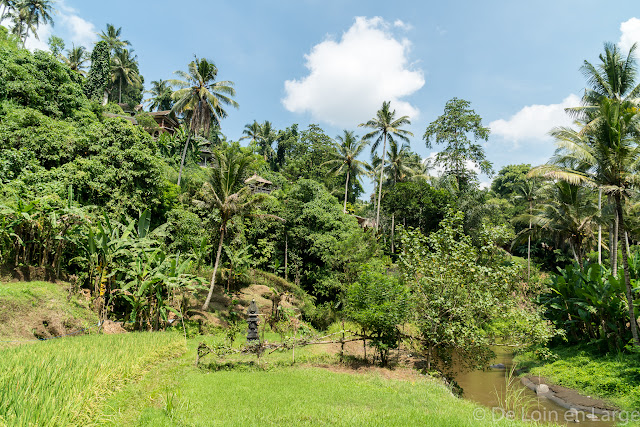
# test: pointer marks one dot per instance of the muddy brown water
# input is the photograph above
(488, 388)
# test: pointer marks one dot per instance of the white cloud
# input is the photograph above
(534, 122)
(630, 34)
(349, 79)
(40, 43)
(81, 32)
(68, 25)
(401, 24)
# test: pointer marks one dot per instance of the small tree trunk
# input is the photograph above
(184, 154)
(120, 91)
(286, 256)
(529, 245)
(105, 98)
(215, 269)
(627, 279)
(364, 344)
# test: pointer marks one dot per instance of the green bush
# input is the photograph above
(379, 303)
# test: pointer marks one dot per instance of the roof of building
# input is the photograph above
(126, 117)
(166, 115)
(257, 179)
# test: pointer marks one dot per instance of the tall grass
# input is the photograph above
(513, 398)
(62, 382)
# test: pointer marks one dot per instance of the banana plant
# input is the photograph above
(589, 303)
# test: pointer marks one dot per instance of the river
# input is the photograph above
(485, 387)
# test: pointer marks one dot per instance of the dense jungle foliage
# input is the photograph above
(145, 220)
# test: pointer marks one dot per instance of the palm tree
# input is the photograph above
(34, 13)
(604, 152)
(124, 68)
(76, 58)
(262, 137)
(226, 191)
(402, 166)
(112, 37)
(570, 215)
(160, 96)
(251, 131)
(21, 23)
(7, 8)
(347, 148)
(265, 141)
(201, 98)
(528, 191)
(385, 126)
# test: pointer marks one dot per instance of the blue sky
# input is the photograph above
(334, 62)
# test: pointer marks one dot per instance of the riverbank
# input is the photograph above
(587, 378)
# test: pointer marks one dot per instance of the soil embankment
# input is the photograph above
(568, 398)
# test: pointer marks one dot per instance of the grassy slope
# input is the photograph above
(614, 377)
(136, 379)
(31, 310)
(177, 393)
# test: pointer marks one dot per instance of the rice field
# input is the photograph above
(64, 381)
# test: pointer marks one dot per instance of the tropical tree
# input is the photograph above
(528, 191)
(124, 68)
(21, 24)
(251, 131)
(570, 215)
(604, 152)
(262, 138)
(347, 148)
(402, 164)
(56, 46)
(265, 141)
(96, 85)
(76, 58)
(385, 126)
(225, 190)
(29, 14)
(112, 36)
(201, 98)
(7, 7)
(160, 92)
(401, 167)
(452, 128)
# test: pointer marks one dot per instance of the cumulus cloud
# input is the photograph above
(40, 43)
(630, 34)
(349, 79)
(81, 32)
(533, 122)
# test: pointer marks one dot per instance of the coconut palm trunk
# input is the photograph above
(184, 155)
(529, 244)
(614, 249)
(627, 279)
(346, 188)
(384, 151)
(393, 229)
(600, 227)
(215, 270)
